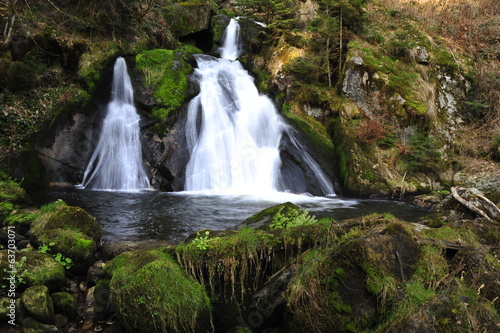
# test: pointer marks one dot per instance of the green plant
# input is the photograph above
(292, 219)
(201, 241)
(422, 153)
(65, 262)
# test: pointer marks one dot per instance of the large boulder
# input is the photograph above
(152, 293)
(61, 216)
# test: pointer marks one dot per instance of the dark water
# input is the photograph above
(139, 216)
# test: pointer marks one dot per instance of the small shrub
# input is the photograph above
(421, 154)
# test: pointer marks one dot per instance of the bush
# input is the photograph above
(421, 154)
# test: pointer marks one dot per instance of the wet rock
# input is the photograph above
(38, 303)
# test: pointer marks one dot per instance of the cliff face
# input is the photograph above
(401, 107)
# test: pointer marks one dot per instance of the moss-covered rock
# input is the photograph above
(151, 293)
(348, 281)
(36, 300)
(188, 17)
(64, 303)
(31, 325)
(6, 308)
(263, 219)
(34, 268)
(61, 216)
(71, 244)
(165, 73)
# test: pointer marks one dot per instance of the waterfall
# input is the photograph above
(116, 163)
(233, 132)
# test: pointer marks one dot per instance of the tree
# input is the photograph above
(278, 15)
(10, 17)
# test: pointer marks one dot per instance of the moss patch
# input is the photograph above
(165, 72)
(151, 293)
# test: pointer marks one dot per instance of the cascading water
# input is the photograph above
(234, 133)
(116, 163)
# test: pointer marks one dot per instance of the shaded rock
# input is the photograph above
(38, 303)
(64, 303)
(31, 325)
(152, 293)
(96, 272)
(102, 305)
(427, 200)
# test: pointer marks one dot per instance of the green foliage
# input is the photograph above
(423, 154)
(62, 260)
(166, 72)
(52, 207)
(201, 241)
(279, 15)
(292, 219)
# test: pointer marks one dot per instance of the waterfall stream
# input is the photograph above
(234, 133)
(116, 163)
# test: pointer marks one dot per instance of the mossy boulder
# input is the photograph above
(77, 246)
(165, 73)
(264, 218)
(152, 293)
(61, 216)
(348, 281)
(34, 268)
(64, 303)
(10, 191)
(36, 300)
(188, 17)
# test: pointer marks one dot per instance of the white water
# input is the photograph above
(116, 163)
(233, 132)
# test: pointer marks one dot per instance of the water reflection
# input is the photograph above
(135, 216)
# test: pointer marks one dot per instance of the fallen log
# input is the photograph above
(476, 202)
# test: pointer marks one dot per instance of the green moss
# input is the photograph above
(64, 303)
(313, 130)
(70, 243)
(262, 219)
(151, 293)
(166, 72)
(61, 216)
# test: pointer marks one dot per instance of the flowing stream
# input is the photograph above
(116, 163)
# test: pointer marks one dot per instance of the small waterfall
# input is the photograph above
(233, 132)
(116, 163)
